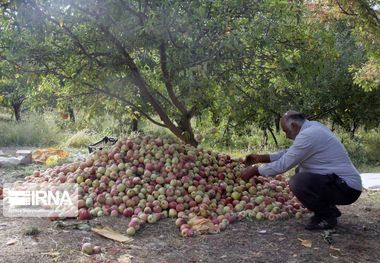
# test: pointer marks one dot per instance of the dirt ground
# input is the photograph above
(356, 239)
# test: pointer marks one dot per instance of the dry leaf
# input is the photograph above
(53, 254)
(262, 231)
(334, 248)
(126, 258)
(111, 234)
(334, 256)
(305, 242)
(11, 242)
(204, 226)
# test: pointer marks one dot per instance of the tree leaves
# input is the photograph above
(233, 62)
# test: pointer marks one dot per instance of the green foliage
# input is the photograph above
(236, 64)
(153, 130)
(80, 139)
(363, 149)
(47, 130)
(12, 174)
(367, 76)
(374, 195)
(364, 16)
(55, 160)
(33, 131)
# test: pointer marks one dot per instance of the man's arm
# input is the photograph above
(277, 155)
(264, 158)
(256, 158)
(301, 149)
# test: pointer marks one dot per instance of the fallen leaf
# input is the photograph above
(53, 254)
(114, 250)
(334, 256)
(111, 234)
(203, 226)
(11, 242)
(262, 231)
(68, 225)
(334, 248)
(305, 242)
(126, 258)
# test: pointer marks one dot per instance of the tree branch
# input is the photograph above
(125, 101)
(343, 10)
(141, 16)
(140, 83)
(69, 32)
(168, 81)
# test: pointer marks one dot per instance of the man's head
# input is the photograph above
(291, 123)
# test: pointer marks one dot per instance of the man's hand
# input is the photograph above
(252, 159)
(256, 158)
(249, 172)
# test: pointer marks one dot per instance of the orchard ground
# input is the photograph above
(356, 238)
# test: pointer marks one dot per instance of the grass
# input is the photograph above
(374, 195)
(12, 174)
(80, 139)
(33, 131)
(50, 130)
(364, 149)
(369, 169)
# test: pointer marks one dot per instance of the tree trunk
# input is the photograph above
(134, 125)
(353, 130)
(226, 134)
(17, 110)
(183, 130)
(264, 142)
(187, 134)
(277, 122)
(72, 115)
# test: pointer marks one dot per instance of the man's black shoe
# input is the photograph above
(326, 223)
(335, 212)
(315, 219)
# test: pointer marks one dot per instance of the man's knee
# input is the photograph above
(299, 181)
(294, 183)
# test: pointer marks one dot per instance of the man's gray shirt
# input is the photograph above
(316, 150)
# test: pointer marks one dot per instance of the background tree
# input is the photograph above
(235, 62)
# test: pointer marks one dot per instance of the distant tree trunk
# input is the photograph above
(17, 109)
(333, 126)
(72, 115)
(277, 122)
(226, 134)
(134, 125)
(264, 142)
(353, 130)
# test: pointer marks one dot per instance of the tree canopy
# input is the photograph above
(236, 61)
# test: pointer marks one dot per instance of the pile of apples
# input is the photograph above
(148, 179)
